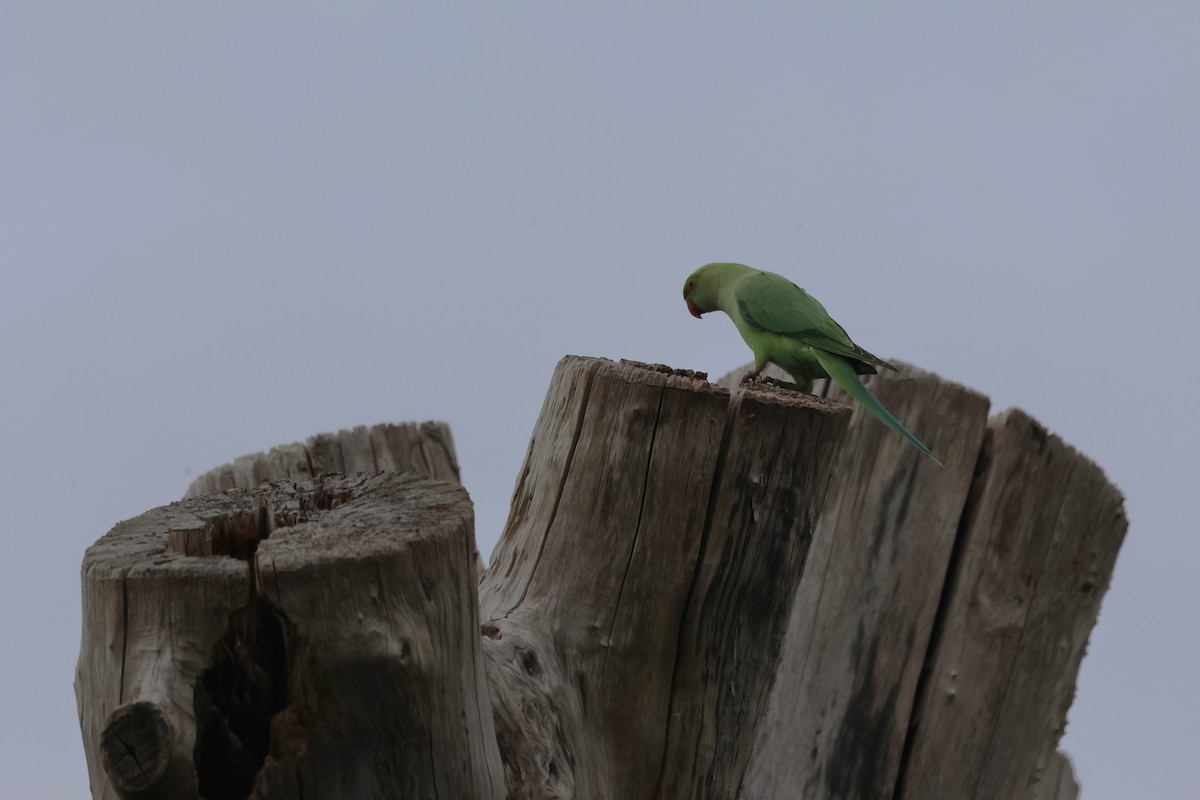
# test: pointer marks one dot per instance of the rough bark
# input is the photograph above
(318, 637)
(699, 593)
(1036, 550)
(865, 608)
(967, 594)
(635, 606)
(425, 448)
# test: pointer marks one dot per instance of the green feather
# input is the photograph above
(785, 325)
(841, 371)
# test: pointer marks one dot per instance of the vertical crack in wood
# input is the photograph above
(246, 681)
(562, 485)
(308, 458)
(713, 495)
(478, 668)
(425, 457)
(374, 454)
(637, 529)
(1033, 587)
(124, 635)
(949, 588)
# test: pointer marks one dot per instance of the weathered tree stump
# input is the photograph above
(635, 606)
(1035, 553)
(425, 448)
(864, 613)
(933, 647)
(699, 593)
(314, 639)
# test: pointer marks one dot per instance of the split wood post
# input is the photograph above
(966, 595)
(426, 448)
(1036, 550)
(639, 636)
(635, 606)
(865, 609)
(315, 639)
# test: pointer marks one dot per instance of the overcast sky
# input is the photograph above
(227, 227)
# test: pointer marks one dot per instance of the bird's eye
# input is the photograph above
(691, 284)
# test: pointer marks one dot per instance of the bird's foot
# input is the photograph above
(752, 376)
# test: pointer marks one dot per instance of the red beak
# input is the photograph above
(695, 312)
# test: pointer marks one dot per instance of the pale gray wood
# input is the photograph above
(426, 448)
(635, 605)
(1058, 781)
(771, 485)
(860, 626)
(1037, 546)
(639, 636)
(845, 732)
(348, 641)
(150, 620)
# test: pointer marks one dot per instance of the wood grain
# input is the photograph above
(626, 616)
(316, 638)
(700, 592)
(426, 448)
(1039, 539)
(865, 609)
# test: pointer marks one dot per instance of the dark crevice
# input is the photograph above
(124, 636)
(308, 458)
(949, 586)
(374, 455)
(246, 682)
(1040, 435)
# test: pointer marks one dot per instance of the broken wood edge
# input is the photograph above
(174, 561)
(426, 448)
(532, 671)
(1015, 443)
(882, 544)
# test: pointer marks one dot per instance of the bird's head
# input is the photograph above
(701, 288)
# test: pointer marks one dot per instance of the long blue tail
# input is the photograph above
(843, 372)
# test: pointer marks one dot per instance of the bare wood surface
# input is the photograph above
(1036, 550)
(426, 448)
(639, 639)
(861, 623)
(1058, 781)
(1038, 547)
(635, 606)
(137, 745)
(337, 657)
(150, 620)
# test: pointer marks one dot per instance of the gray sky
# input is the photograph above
(223, 229)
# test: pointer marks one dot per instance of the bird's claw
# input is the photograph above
(752, 376)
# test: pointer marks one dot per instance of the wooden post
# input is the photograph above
(1037, 545)
(864, 613)
(311, 639)
(635, 606)
(699, 593)
(934, 645)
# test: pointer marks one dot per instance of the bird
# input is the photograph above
(786, 326)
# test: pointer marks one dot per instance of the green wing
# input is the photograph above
(770, 302)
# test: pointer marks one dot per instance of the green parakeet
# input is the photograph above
(786, 326)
